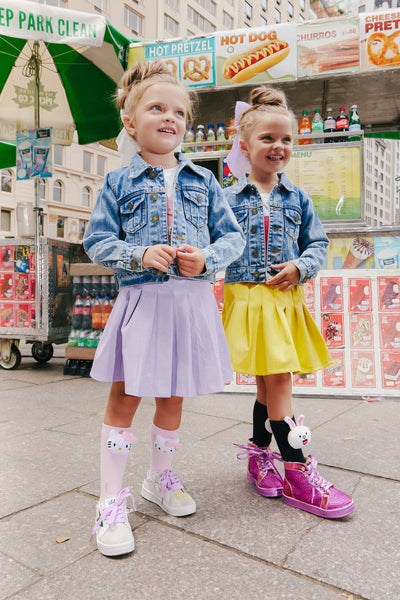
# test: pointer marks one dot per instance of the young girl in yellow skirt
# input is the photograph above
(270, 331)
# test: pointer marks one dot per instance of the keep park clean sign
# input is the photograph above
(27, 20)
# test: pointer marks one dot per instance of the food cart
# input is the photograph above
(21, 269)
(333, 62)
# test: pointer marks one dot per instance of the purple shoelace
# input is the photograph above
(314, 477)
(265, 456)
(115, 512)
(170, 481)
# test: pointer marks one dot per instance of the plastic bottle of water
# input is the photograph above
(189, 137)
(200, 137)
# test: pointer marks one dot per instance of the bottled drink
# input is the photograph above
(317, 126)
(96, 286)
(354, 123)
(342, 124)
(329, 126)
(107, 308)
(82, 338)
(77, 313)
(77, 287)
(200, 137)
(97, 310)
(92, 339)
(73, 338)
(221, 135)
(211, 137)
(105, 289)
(304, 128)
(231, 131)
(189, 137)
(113, 287)
(87, 285)
(87, 313)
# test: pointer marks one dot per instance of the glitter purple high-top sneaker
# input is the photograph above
(305, 488)
(261, 470)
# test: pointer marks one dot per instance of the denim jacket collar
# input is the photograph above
(243, 183)
(138, 166)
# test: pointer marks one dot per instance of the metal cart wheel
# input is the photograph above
(42, 352)
(13, 360)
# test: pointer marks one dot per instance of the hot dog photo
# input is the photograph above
(256, 55)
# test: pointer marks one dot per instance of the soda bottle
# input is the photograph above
(354, 123)
(317, 125)
(304, 127)
(189, 137)
(77, 287)
(342, 124)
(87, 313)
(97, 310)
(82, 338)
(211, 137)
(231, 130)
(91, 339)
(87, 285)
(107, 307)
(221, 135)
(200, 137)
(105, 286)
(77, 313)
(96, 286)
(73, 338)
(113, 288)
(329, 126)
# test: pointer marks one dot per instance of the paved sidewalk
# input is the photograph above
(238, 546)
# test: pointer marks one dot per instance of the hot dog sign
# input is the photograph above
(256, 55)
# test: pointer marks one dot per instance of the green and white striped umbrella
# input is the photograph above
(59, 69)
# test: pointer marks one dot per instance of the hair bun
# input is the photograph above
(265, 95)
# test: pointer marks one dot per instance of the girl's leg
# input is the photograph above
(261, 437)
(162, 486)
(279, 403)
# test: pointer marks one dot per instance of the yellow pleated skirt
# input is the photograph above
(270, 331)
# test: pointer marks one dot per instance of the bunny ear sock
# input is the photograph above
(301, 419)
(290, 422)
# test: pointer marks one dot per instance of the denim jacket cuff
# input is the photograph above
(135, 260)
(305, 273)
(211, 263)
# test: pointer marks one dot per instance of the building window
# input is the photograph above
(248, 10)
(86, 195)
(227, 20)
(199, 21)
(302, 4)
(263, 21)
(6, 181)
(277, 16)
(100, 5)
(42, 189)
(290, 9)
(278, 1)
(5, 223)
(173, 4)
(264, 4)
(208, 5)
(101, 166)
(60, 227)
(57, 191)
(57, 154)
(82, 227)
(58, 3)
(133, 20)
(170, 25)
(87, 162)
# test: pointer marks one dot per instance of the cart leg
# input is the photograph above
(10, 356)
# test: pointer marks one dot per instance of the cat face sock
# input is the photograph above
(116, 443)
(164, 444)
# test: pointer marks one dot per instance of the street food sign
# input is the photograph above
(31, 21)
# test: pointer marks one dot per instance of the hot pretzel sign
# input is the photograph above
(380, 40)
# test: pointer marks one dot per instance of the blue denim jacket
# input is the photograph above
(295, 232)
(131, 214)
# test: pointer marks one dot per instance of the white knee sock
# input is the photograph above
(164, 444)
(116, 443)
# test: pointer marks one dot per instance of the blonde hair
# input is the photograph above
(265, 99)
(143, 75)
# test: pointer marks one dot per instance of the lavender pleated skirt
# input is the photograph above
(165, 339)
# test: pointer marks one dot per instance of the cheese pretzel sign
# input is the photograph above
(196, 68)
(384, 50)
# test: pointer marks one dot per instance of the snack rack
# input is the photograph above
(23, 271)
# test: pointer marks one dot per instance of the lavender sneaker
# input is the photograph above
(306, 489)
(113, 532)
(261, 469)
(166, 489)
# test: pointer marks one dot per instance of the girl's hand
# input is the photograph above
(159, 256)
(288, 277)
(191, 260)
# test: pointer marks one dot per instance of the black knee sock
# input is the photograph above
(261, 437)
(280, 429)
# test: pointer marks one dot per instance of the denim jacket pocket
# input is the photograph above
(292, 222)
(242, 217)
(133, 213)
(195, 205)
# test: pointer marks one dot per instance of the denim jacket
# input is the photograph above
(131, 214)
(295, 232)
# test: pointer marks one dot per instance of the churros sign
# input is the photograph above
(380, 40)
(256, 55)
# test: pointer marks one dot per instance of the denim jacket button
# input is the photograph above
(154, 196)
(153, 174)
(254, 211)
(256, 275)
(199, 199)
(158, 273)
(134, 263)
(130, 205)
(255, 253)
(297, 218)
(155, 218)
(253, 229)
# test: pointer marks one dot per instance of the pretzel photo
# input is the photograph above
(171, 64)
(196, 68)
(384, 50)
